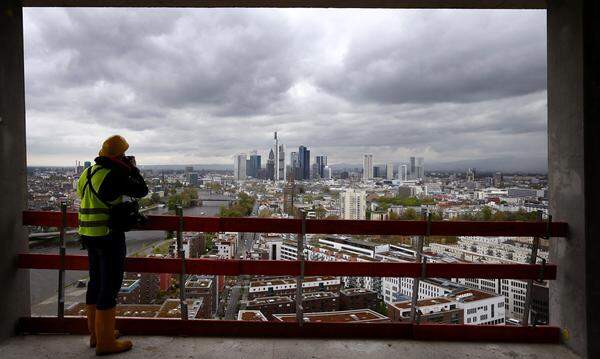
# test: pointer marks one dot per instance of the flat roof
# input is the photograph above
(318, 295)
(356, 291)
(346, 316)
(252, 315)
(283, 281)
(422, 303)
(270, 300)
(475, 295)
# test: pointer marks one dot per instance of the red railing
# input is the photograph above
(263, 267)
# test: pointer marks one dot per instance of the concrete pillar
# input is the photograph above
(574, 169)
(14, 300)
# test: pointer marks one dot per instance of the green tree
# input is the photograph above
(486, 213)
(155, 198)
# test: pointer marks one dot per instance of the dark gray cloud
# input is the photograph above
(197, 86)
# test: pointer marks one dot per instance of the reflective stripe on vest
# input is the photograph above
(93, 213)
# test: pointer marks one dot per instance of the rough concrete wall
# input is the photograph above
(566, 169)
(14, 300)
(591, 113)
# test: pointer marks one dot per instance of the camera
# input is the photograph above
(130, 160)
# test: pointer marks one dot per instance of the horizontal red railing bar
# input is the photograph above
(234, 267)
(328, 226)
(229, 328)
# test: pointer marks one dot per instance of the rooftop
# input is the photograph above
(472, 295)
(355, 291)
(422, 303)
(291, 281)
(345, 316)
(252, 315)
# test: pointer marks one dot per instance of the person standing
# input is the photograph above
(100, 187)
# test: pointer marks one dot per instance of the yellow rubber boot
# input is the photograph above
(91, 319)
(105, 334)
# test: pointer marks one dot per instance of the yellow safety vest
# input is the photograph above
(93, 212)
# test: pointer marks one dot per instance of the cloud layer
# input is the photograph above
(198, 86)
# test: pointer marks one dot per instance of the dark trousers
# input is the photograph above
(106, 259)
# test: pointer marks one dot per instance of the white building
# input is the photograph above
(478, 307)
(403, 173)
(353, 203)
(226, 248)
(239, 166)
(396, 288)
(481, 307)
(327, 173)
(367, 167)
(389, 171)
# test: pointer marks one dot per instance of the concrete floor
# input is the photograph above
(147, 347)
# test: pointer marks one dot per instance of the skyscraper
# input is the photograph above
(271, 166)
(417, 168)
(321, 164)
(304, 159)
(295, 165)
(353, 204)
(276, 159)
(254, 165)
(403, 175)
(420, 168)
(367, 167)
(281, 167)
(239, 166)
(389, 171)
(327, 172)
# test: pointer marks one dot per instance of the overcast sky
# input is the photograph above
(198, 86)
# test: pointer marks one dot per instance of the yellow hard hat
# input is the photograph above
(114, 146)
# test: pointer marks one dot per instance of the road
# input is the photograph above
(44, 282)
(232, 304)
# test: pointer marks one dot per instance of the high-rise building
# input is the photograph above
(271, 166)
(276, 159)
(314, 172)
(321, 164)
(417, 168)
(377, 172)
(289, 192)
(86, 164)
(304, 159)
(327, 172)
(281, 167)
(239, 166)
(295, 165)
(403, 173)
(470, 175)
(253, 165)
(413, 167)
(294, 159)
(367, 167)
(353, 204)
(420, 168)
(389, 171)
